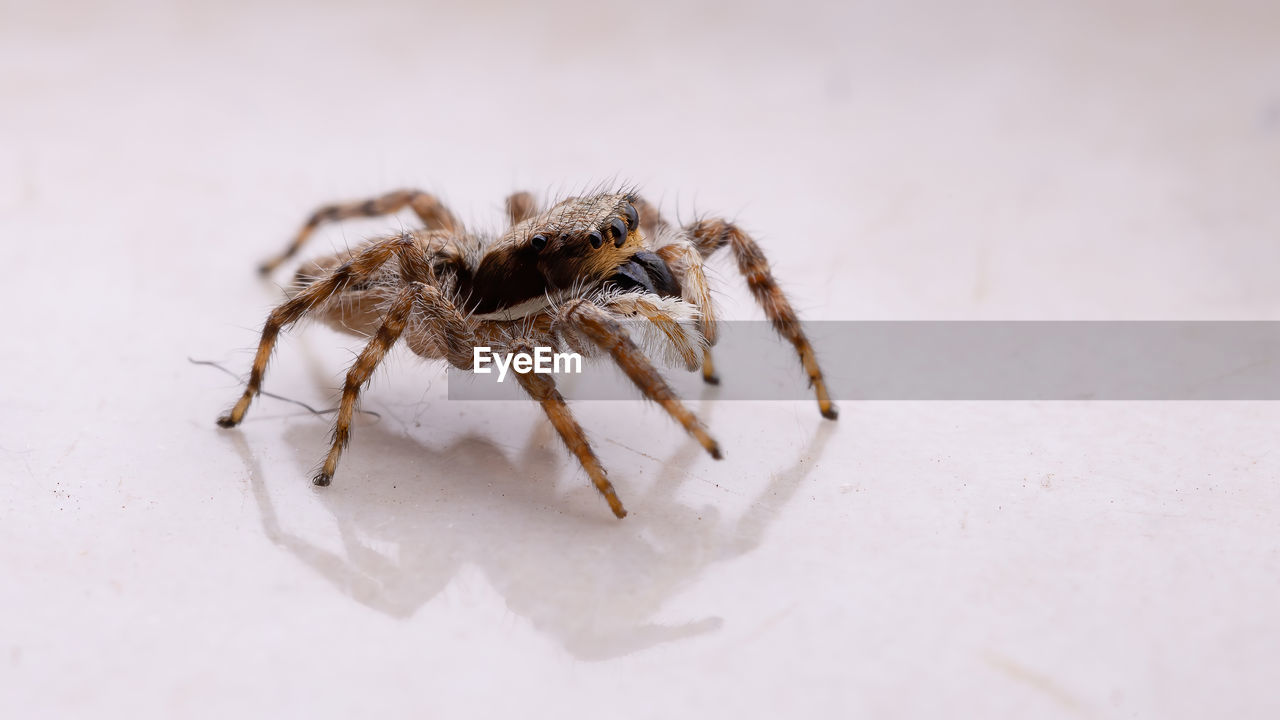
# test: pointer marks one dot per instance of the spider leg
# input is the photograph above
(433, 315)
(711, 235)
(428, 208)
(608, 334)
(393, 325)
(686, 264)
(358, 268)
(542, 387)
(520, 207)
(664, 315)
(709, 375)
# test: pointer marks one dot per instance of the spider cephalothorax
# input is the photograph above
(567, 277)
(578, 243)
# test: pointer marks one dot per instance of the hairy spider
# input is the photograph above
(569, 276)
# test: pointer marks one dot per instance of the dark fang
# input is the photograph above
(619, 232)
(538, 242)
(596, 238)
(645, 272)
(633, 218)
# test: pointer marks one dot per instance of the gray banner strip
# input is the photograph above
(928, 360)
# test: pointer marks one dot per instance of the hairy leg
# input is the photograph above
(393, 325)
(439, 329)
(428, 208)
(711, 235)
(607, 333)
(351, 272)
(520, 207)
(709, 375)
(543, 389)
(670, 317)
(687, 265)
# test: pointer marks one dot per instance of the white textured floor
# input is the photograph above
(912, 160)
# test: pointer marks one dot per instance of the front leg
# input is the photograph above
(709, 375)
(604, 331)
(674, 320)
(711, 235)
(687, 265)
(542, 388)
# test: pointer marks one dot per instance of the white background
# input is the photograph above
(914, 160)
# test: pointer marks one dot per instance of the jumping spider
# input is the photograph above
(571, 275)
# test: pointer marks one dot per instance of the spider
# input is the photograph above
(575, 275)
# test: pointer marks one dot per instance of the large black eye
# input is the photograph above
(538, 242)
(596, 238)
(619, 230)
(633, 218)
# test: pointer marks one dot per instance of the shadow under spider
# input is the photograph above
(577, 574)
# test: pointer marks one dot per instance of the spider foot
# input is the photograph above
(322, 479)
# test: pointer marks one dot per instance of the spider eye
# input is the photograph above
(619, 230)
(596, 238)
(633, 218)
(538, 242)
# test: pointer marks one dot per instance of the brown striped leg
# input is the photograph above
(358, 268)
(607, 333)
(709, 375)
(520, 207)
(442, 323)
(429, 209)
(711, 235)
(393, 324)
(543, 389)
(682, 338)
(437, 319)
(686, 264)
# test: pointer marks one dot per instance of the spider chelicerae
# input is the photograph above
(577, 275)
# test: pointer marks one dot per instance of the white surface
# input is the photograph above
(905, 160)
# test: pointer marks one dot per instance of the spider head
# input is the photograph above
(581, 242)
